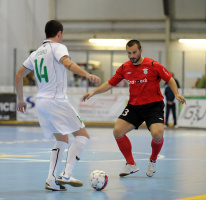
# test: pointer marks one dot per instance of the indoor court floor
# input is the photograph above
(181, 166)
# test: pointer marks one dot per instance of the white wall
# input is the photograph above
(195, 60)
(109, 9)
(22, 26)
(190, 9)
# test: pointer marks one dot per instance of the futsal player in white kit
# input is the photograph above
(56, 115)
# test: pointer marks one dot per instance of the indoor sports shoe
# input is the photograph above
(129, 169)
(151, 169)
(55, 186)
(63, 179)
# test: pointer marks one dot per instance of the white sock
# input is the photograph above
(56, 159)
(74, 153)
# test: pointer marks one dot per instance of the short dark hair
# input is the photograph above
(133, 42)
(52, 28)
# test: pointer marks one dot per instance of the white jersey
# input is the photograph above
(50, 74)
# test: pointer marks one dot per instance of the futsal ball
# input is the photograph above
(98, 179)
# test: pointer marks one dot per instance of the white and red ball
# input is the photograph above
(98, 179)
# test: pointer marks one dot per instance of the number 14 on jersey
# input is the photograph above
(39, 73)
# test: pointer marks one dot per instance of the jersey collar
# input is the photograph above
(47, 41)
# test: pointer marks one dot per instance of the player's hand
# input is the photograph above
(93, 78)
(21, 106)
(87, 96)
(180, 98)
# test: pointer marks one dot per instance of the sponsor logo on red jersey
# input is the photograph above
(137, 81)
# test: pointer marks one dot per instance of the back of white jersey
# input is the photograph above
(49, 72)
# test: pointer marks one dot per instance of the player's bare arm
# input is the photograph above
(101, 89)
(174, 89)
(21, 104)
(78, 70)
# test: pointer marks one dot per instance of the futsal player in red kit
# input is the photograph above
(145, 103)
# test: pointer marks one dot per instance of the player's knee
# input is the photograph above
(86, 134)
(117, 132)
(61, 138)
(157, 135)
(82, 132)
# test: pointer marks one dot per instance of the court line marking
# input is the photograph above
(201, 197)
(17, 156)
(84, 161)
(20, 160)
(15, 159)
(27, 141)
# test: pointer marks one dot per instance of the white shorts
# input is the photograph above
(57, 116)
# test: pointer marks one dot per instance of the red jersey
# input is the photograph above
(143, 80)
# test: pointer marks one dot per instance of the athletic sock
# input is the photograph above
(125, 147)
(156, 148)
(56, 159)
(74, 153)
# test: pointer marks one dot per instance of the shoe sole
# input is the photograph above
(124, 174)
(49, 188)
(150, 176)
(74, 184)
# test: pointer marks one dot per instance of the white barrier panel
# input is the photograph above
(31, 113)
(7, 106)
(107, 108)
(193, 114)
(100, 108)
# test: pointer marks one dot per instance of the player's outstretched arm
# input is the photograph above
(174, 89)
(21, 104)
(101, 89)
(78, 70)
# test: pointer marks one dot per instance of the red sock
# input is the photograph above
(125, 147)
(156, 148)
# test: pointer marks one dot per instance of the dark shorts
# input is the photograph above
(150, 113)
